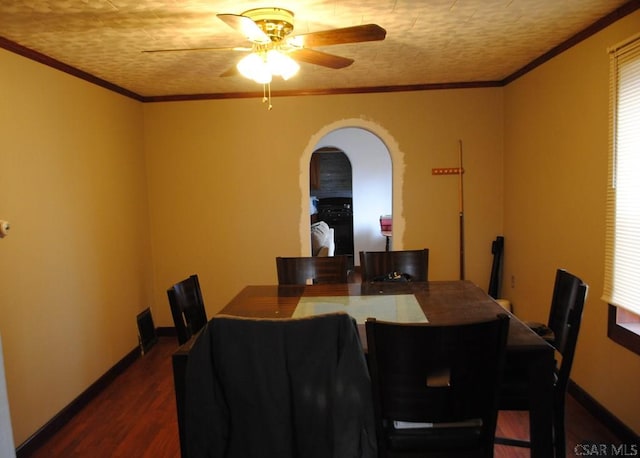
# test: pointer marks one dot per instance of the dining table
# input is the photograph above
(437, 302)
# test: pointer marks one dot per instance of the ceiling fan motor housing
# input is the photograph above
(276, 23)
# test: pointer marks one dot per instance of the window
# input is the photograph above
(622, 268)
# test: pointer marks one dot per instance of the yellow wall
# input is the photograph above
(75, 269)
(225, 193)
(556, 131)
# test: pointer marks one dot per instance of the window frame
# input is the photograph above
(624, 330)
(623, 325)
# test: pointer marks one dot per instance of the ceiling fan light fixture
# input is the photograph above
(254, 67)
(281, 64)
(262, 75)
(261, 66)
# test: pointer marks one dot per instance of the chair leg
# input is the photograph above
(559, 433)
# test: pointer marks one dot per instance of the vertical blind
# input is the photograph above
(622, 257)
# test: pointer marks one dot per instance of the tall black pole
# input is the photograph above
(461, 208)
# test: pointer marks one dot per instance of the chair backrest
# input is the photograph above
(497, 250)
(424, 373)
(279, 388)
(315, 269)
(187, 308)
(565, 316)
(376, 264)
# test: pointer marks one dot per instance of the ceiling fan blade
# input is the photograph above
(231, 71)
(236, 48)
(311, 56)
(245, 26)
(355, 34)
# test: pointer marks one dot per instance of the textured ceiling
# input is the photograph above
(427, 42)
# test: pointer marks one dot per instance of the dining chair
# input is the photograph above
(410, 265)
(561, 331)
(312, 269)
(259, 387)
(435, 387)
(187, 308)
(497, 250)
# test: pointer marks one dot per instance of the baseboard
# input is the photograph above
(62, 418)
(615, 425)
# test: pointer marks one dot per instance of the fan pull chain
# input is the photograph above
(265, 97)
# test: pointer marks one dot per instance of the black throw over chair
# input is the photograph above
(399, 265)
(435, 387)
(561, 331)
(187, 308)
(278, 388)
(314, 269)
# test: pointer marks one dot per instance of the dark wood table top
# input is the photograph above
(443, 302)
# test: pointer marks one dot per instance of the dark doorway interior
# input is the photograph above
(331, 187)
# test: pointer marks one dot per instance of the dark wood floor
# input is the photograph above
(135, 416)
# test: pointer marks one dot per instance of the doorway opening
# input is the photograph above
(331, 192)
(372, 183)
(370, 149)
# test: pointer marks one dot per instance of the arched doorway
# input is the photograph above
(381, 140)
(372, 184)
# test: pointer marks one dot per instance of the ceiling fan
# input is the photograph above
(269, 29)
